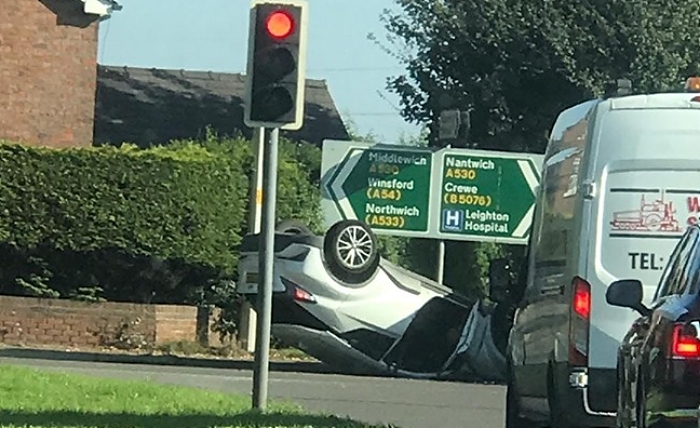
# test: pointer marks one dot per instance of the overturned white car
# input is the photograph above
(336, 299)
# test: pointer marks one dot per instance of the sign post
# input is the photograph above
(440, 277)
(436, 193)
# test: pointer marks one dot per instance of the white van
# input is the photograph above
(620, 183)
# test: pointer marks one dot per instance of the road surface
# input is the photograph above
(402, 402)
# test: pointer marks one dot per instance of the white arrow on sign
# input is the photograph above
(335, 186)
(531, 178)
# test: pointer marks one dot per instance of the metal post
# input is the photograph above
(248, 318)
(441, 262)
(266, 258)
(257, 199)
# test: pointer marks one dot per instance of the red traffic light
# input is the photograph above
(279, 24)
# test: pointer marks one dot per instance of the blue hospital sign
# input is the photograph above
(452, 219)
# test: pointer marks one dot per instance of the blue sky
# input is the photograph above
(212, 35)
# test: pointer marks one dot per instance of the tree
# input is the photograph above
(517, 63)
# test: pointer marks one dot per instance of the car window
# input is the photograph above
(694, 277)
(557, 202)
(684, 281)
(672, 279)
(554, 239)
(671, 266)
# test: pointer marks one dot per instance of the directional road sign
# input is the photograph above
(449, 193)
(491, 196)
(384, 188)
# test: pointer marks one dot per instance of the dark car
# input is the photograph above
(659, 358)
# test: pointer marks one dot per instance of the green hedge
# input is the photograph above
(167, 203)
(142, 225)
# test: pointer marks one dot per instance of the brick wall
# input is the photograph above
(48, 68)
(30, 321)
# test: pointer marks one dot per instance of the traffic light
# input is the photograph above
(276, 69)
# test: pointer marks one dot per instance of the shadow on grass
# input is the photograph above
(70, 419)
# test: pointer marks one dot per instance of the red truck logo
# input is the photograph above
(655, 216)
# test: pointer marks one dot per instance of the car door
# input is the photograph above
(629, 348)
(665, 307)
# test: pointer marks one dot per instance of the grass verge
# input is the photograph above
(42, 399)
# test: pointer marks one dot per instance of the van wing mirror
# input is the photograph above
(627, 293)
(499, 278)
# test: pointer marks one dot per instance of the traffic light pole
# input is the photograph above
(274, 100)
(248, 316)
(266, 258)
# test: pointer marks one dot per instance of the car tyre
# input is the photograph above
(350, 250)
(295, 227)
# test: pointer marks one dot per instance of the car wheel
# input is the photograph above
(350, 250)
(292, 226)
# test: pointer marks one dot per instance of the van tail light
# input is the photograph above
(582, 298)
(685, 343)
(579, 323)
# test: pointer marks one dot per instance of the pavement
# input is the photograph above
(406, 403)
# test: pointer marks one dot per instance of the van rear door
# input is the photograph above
(646, 171)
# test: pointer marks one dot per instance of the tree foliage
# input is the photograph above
(157, 225)
(516, 63)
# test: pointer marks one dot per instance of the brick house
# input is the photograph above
(48, 70)
(52, 92)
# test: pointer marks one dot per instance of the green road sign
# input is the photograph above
(487, 196)
(387, 189)
(453, 194)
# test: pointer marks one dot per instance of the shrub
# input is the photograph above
(140, 225)
(298, 197)
(157, 225)
(299, 168)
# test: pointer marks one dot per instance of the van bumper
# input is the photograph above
(588, 396)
